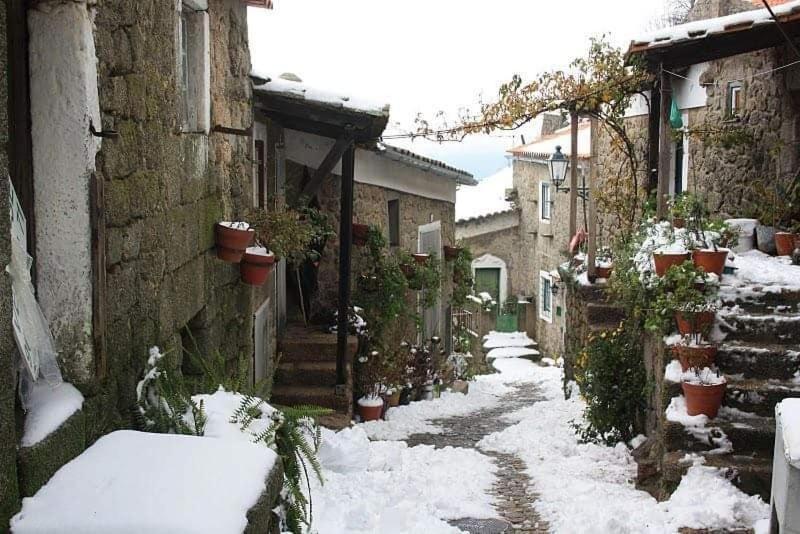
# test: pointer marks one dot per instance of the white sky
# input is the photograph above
(422, 56)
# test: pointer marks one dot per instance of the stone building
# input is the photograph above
(489, 224)
(410, 197)
(127, 140)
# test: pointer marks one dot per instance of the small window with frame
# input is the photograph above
(194, 66)
(735, 100)
(394, 222)
(545, 296)
(545, 204)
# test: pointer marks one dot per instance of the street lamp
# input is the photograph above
(558, 164)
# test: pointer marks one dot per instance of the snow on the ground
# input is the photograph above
(48, 408)
(590, 488)
(484, 392)
(698, 426)
(511, 352)
(130, 482)
(497, 340)
(387, 487)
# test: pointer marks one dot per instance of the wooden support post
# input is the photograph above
(591, 241)
(664, 163)
(573, 175)
(345, 252)
(327, 165)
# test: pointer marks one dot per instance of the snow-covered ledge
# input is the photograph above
(786, 468)
(64, 102)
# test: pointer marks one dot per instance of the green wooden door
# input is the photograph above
(488, 280)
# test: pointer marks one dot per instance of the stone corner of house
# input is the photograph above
(260, 517)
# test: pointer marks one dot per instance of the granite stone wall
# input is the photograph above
(9, 493)
(164, 191)
(504, 244)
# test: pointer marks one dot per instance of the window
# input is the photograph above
(194, 66)
(546, 296)
(261, 174)
(545, 205)
(394, 223)
(735, 103)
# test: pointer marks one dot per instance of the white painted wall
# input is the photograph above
(64, 99)
(371, 168)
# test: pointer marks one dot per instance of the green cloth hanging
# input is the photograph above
(675, 117)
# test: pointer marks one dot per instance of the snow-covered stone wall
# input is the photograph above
(64, 102)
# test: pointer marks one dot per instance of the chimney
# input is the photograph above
(551, 123)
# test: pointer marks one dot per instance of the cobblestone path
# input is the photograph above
(511, 490)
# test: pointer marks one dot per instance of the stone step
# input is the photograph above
(759, 360)
(300, 373)
(751, 395)
(751, 474)
(323, 396)
(300, 344)
(740, 325)
(748, 434)
(760, 300)
(604, 314)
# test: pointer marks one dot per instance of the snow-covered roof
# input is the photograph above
(425, 163)
(290, 86)
(544, 147)
(485, 199)
(702, 29)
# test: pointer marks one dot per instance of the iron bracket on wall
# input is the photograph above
(246, 132)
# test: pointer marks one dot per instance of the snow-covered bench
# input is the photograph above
(786, 469)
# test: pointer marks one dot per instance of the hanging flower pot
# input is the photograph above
(360, 232)
(421, 259)
(785, 243)
(368, 283)
(451, 253)
(256, 265)
(704, 398)
(232, 239)
(694, 322)
(664, 260)
(370, 408)
(678, 222)
(711, 261)
(699, 356)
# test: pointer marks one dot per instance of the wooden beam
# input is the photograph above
(591, 241)
(573, 175)
(334, 155)
(653, 129)
(345, 255)
(665, 144)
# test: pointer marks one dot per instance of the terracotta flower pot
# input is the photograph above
(370, 413)
(604, 272)
(255, 267)
(694, 322)
(421, 259)
(702, 399)
(663, 261)
(711, 261)
(408, 270)
(785, 243)
(678, 222)
(700, 356)
(451, 253)
(231, 242)
(360, 232)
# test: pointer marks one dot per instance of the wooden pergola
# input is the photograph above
(676, 48)
(348, 126)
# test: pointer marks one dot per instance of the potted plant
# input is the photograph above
(666, 257)
(604, 262)
(678, 207)
(695, 320)
(694, 352)
(370, 407)
(704, 390)
(778, 212)
(707, 255)
(232, 239)
(256, 265)
(421, 258)
(451, 253)
(360, 233)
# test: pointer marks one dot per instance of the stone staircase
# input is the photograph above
(759, 353)
(306, 371)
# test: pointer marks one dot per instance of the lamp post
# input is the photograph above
(558, 165)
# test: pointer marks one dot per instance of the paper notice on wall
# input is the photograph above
(26, 317)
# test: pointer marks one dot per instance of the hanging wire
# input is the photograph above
(764, 73)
